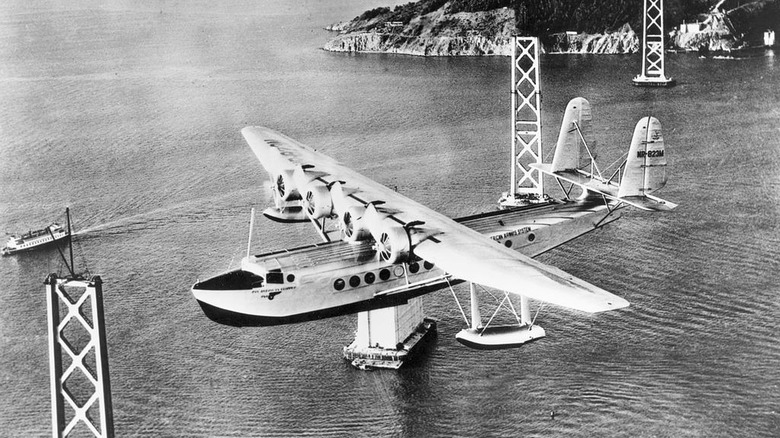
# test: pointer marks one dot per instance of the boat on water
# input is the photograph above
(35, 239)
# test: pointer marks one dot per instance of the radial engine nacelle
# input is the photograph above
(391, 238)
(290, 184)
(352, 224)
(357, 222)
(393, 243)
(317, 202)
(284, 186)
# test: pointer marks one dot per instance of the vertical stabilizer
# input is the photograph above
(645, 170)
(570, 151)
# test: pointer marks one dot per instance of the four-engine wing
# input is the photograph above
(403, 228)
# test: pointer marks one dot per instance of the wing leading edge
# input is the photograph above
(454, 248)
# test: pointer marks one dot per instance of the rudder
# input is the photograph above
(645, 170)
(570, 151)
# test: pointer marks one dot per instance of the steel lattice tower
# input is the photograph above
(526, 118)
(653, 69)
(77, 329)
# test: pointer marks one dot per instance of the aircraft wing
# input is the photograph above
(454, 248)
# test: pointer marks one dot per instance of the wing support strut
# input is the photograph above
(566, 192)
(251, 225)
(593, 165)
(610, 210)
(498, 337)
(457, 301)
(320, 227)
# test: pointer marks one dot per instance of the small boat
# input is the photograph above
(35, 239)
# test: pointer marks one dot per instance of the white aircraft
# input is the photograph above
(391, 248)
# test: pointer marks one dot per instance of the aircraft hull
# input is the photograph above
(240, 319)
(338, 278)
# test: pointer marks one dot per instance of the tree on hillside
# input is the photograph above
(543, 17)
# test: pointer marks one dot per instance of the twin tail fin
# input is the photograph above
(645, 169)
(643, 172)
(571, 151)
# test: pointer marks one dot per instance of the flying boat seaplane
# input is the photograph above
(387, 248)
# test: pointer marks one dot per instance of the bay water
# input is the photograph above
(130, 115)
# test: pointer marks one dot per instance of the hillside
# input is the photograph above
(437, 32)
(730, 25)
(485, 27)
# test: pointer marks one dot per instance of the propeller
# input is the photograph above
(286, 189)
(385, 247)
(280, 188)
(310, 203)
(353, 225)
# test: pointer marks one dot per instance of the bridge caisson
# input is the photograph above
(389, 337)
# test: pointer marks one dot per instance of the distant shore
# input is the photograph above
(434, 34)
(489, 33)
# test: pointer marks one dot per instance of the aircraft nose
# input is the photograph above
(232, 280)
(220, 316)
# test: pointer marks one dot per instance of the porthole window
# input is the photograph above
(384, 274)
(398, 271)
(354, 281)
(414, 267)
(369, 277)
(339, 284)
(508, 244)
(531, 237)
(290, 278)
(428, 265)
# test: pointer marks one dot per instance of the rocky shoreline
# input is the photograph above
(372, 42)
(434, 34)
(622, 41)
(487, 33)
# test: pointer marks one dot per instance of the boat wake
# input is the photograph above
(186, 212)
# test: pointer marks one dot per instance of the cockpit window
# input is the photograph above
(232, 280)
(274, 278)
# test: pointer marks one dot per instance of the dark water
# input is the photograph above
(130, 115)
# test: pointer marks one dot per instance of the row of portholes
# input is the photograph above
(384, 275)
(531, 237)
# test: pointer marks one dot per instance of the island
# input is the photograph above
(485, 27)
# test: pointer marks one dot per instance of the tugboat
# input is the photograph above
(37, 238)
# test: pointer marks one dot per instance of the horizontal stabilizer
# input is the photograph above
(607, 188)
(649, 202)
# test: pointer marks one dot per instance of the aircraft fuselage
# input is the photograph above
(338, 278)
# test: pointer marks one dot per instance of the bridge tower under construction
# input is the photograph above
(526, 185)
(78, 358)
(653, 63)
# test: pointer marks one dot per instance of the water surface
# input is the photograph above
(131, 116)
